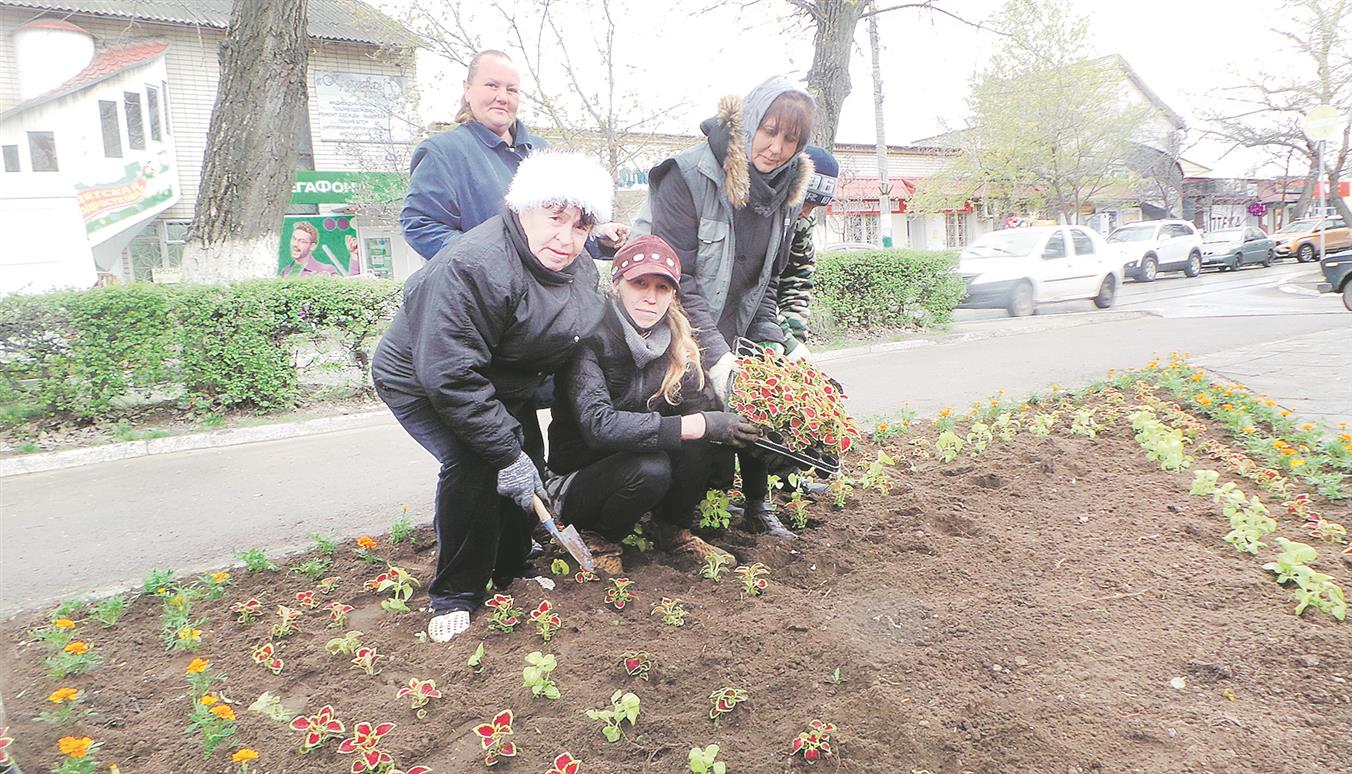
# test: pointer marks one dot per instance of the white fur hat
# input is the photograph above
(554, 178)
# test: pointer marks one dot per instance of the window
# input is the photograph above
(175, 236)
(136, 131)
(1056, 246)
(164, 89)
(158, 249)
(11, 153)
(1083, 244)
(42, 151)
(860, 228)
(1174, 230)
(112, 132)
(955, 230)
(153, 112)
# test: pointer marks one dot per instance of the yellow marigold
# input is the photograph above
(948, 412)
(1228, 406)
(1204, 400)
(1286, 413)
(1056, 388)
(883, 427)
(1345, 437)
(75, 747)
(1297, 462)
(63, 695)
(1249, 430)
(1002, 392)
(244, 755)
(367, 542)
(220, 577)
(77, 647)
(994, 402)
(223, 711)
(197, 666)
(1197, 377)
(1307, 426)
(1348, 448)
(63, 623)
(1024, 407)
(1280, 444)
(1269, 403)
(1288, 451)
(189, 633)
(1342, 425)
(208, 700)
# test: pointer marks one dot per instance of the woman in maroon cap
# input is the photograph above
(632, 425)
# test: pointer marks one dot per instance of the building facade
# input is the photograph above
(105, 107)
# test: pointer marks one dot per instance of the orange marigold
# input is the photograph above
(63, 695)
(1249, 430)
(77, 647)
(367, 542)
(75, 747)
(244, 755)
(63, 623)
(208, 700)
(220, 577)
(197, 666)
(223, 711)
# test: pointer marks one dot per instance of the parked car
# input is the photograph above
(1301, 238)
(1338, 276)
(848, 247)
(1231, 249)
(1153, 246)
(1018, 268)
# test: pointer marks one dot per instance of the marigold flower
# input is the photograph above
(1348, 448)
(75, 747)
(1056, 388)
(948, 412)
(1204, 400)
(1288, 451)
(223, 711)
(1228, 406)
(1024, 407)
(208, 700)
(1286, 413)
(1269, 403)
(1345, 437)
(1249, 430)
(220, 577)
(367, 542)
(244, 755)
(1280, 444)
(1297, 462)
(63, 623)
(189, 633)
(77, 647)
(63, 695)
(197, 666)
(1307, 427)
(1197, 377)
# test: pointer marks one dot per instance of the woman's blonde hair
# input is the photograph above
(682, 357)
(464, 114)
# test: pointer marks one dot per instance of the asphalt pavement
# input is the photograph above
(100, 527)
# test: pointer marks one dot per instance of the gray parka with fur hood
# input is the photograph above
(718, 190)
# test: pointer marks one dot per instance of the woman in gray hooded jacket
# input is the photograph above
(727, 206)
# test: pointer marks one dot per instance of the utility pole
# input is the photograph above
(884, 187)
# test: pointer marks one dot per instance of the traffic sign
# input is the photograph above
(1323, 122)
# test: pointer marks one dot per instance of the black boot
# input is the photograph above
(760, 517)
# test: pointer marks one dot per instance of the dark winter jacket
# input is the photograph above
(458, 180)
(602, 405)
(697, 220)
(482, 325)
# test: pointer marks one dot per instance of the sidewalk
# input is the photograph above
(102, 526)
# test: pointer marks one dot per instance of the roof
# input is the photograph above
(347, 20)
(866, 189)
(1118, 61)
(105, 64)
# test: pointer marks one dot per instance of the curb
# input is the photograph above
(71, 458)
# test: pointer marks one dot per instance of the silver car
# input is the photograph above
(1231, 249)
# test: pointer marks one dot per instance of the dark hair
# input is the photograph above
(792, 115)
(585, 219)
(464, 113)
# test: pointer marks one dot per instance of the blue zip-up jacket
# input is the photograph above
(458, 180)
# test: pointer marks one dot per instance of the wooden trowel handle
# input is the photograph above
(540, 509)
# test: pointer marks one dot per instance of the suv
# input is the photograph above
(1153, 246)
(1338, 276)
(1301, 238)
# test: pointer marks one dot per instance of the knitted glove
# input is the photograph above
(720, 376)
(727, 428)
(799, 352)
(519, 481)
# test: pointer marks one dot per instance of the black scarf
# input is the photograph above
(769, 190)
(517, 236)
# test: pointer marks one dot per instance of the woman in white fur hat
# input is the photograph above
(481, 326)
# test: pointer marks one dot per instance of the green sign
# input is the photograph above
(318, 245)
(322, 187)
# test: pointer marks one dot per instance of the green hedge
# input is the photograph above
(76, 354)
(877, 290)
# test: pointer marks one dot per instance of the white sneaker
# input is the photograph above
(447, 625)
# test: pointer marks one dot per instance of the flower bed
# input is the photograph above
(1051, 596)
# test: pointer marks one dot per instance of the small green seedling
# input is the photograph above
(702, 761)
(256, 560)
(325, 544)
(536, 675)
(623, 706)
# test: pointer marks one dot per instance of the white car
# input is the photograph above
(1018, 268)
(1153, 246)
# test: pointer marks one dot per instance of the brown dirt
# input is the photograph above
(1023, 611)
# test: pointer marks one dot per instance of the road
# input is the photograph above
(98, 527)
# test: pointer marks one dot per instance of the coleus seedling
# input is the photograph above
(752, 582)
(724, 700)
(714, 566)
(814, 743)
(247, 611)
(287, 625)
(399, 582)
(493, 737)
(419, 692)
(565, 763)
(363, 743)
(536, 675)
(795, 399)
(366, 660)
(637, 663)
(338, 614)
(317, 728)
(327, 585)
(619, 595)
(506, 615)
(266, 656)
(586, 576)
(547, 621)
(671, 610)
(306, 599)
(345, 645)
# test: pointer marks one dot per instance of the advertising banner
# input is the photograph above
(318, 244)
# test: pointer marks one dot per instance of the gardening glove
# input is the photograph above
(727, 428)
(773, 346)
(720, 376)
(519, 481)
(800, 352)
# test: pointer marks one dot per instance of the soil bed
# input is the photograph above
(1024, 610)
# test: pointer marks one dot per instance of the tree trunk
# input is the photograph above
(1306, 193)
(250, 162)
(828, 80)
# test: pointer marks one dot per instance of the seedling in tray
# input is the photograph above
(793, 399)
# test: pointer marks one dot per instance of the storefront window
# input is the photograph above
(955, 230)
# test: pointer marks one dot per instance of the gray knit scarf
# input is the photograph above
(645, 346)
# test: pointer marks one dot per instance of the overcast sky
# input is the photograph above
(673, 53)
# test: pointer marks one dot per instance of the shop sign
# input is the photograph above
(317, 245)
(334, 187)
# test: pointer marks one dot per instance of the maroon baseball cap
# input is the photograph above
(646, 254)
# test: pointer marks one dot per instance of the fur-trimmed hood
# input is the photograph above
(737, 165)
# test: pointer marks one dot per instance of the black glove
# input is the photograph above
(728, 428)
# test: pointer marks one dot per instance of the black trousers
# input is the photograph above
(481, 535)
(755, 473)
(610, 496)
